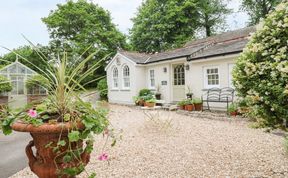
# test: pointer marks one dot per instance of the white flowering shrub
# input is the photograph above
(261, 72)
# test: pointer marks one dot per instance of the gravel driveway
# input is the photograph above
(189, 147)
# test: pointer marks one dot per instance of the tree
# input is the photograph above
(75, 26)
(258, 9)
(261, 73)
(212, 15)
(30, 54)
(163, 24)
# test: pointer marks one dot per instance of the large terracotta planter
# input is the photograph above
(44, 164)
(182, 107)
(198, 107)
(150, 105)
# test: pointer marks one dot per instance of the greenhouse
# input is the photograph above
(18, 73)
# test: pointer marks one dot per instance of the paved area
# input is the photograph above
(12, 153)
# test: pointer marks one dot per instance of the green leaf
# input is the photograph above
(93, 175)
(67, 158)
(61, 143)
(74, 136)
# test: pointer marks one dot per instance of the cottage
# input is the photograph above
(18, 73)
(199, 65)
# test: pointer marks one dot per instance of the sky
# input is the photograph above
(23, 17)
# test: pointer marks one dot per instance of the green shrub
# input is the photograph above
(37, 81)
(5, 84)
(181, 103)
(261, 72)
(147, 97)
(232, 107)
(145, 92)
(152, 100)
(197, 101)
(102, 87)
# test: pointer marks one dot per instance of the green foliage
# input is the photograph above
(212, 15)
(261, 72)
(233, 107)
(28, 53)
(37, 81)
(197, 101)
(102, 87)
(181, 103)
(152, 100)
(161, 25)
(76, 25)
(258, 9)
(5, 84)
(145, 92)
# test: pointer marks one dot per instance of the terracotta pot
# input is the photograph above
(182, 107)
(189, 107)
(141, 102)
(158, 96)
(150, 105)
(198, 107)
(44, 164)
(233, 113)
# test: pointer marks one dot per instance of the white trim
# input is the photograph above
(171, 61)
(129, 77)
(114, 58)
(149, 79)
(17, 62)
(113, 77)
(230, 77)
(205, 79)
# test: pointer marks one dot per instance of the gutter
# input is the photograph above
(214, 55)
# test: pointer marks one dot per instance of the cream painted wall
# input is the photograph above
(120, 95)
(195, 76)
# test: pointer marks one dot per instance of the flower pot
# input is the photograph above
(46, 161)
(233, 113)
(182, 107)
(189, 107)
(150, 105)
(141, 102)
(158, 96)
(198, 107)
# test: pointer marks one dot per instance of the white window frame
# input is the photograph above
(152, 78)
(126, 77)
(230, 77)
(115, 79)
(206, 85)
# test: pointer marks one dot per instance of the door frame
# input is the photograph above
(172, 79)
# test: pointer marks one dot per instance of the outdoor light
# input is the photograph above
(165, 69)
(187, 67)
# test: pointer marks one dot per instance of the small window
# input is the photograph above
(211, 77)
(126, 77)
(115, 78)
(152, 78)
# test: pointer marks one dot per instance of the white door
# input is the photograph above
(178, 82)
(17, 97)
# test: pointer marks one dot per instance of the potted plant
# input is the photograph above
(189, 95)
(5, 86)
(150, 103)
(182, 104)
(198, 104)
(189, 105)
(233, 109)
(63, 124)
(158, 94)
(149, 100)
(143, 93)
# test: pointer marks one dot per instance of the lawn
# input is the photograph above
(188, 147)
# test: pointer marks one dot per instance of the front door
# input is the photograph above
(17, 97)
(178, 82)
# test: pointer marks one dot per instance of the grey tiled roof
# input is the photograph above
(225, 43)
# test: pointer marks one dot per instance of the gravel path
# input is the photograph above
(189, 147)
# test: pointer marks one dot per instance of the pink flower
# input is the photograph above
(103, 157)
(32, 113)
